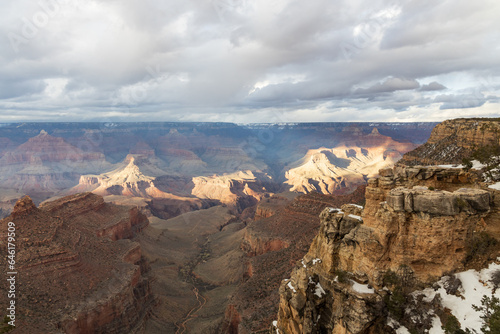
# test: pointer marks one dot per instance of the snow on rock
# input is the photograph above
(495, 186)
(314, 261)
(436, 326)
(361, 288)
(357, 206)
(319, 292)
(355, 217)
(402, 330)
(474, 286)
(475, 165)
(291, 287)
(275, 324)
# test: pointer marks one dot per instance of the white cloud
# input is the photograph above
(241, 60)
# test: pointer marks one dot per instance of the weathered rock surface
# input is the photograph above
(240, 190)
(453, 140)
(347, 165)
(272, 245)
(337, 286)
(73, 277)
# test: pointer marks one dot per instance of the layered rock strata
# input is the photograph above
(338, 287)
(453, 140)
(77, 273)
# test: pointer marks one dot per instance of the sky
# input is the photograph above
(248, 61)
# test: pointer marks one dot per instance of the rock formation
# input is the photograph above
(272, 245)
(77, 272)
(47, 164)
(453, 140)
(127, 180)
(347, 165)
(338, 287)
(241, 189)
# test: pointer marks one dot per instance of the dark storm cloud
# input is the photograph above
(241, 60)
(389, 85)
(433, 86)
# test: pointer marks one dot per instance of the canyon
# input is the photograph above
(419, 225)
(79, 270)
(215, 215)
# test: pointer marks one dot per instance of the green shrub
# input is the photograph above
(390, 278)
(490, 307)
(467, 164)
(396, 303)
(342, 276)
(481, 244)
(451, 325)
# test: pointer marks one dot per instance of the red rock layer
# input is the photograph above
(70, 278)
(292, 228)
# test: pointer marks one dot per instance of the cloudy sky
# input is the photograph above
(249, 60)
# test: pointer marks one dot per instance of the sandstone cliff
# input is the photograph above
(77, 273)
(347, 165)
(453, 140)
(340, 284)
(240, 190)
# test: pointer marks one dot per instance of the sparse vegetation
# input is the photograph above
(452, 325)
(342, 276)
(467, 164)
(481, 244)
(484, 153)
(490, 307)
(489, 155)
(431, 188)
(402, 284)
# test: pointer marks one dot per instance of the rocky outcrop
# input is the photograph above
(338, 287)
(241, 189)
(254, 244)
(77, 273)
(358, 156)
(453, 140)
(273, 245)
(268, 207)
(126, 180)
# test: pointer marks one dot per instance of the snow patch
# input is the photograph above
(314, 261)
(291, 287)
(275, 324)
(436, 326)
(475, 165)
(495, 186)
(319, 292)
(355, 217)
(361, 288)
(402, 330)
(332, 210)
(475, 285)
(357, 206)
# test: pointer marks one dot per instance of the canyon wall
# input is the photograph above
(406, 225)
(77, 271)
(453, 140)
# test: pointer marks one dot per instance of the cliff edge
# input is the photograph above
(418, 224)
